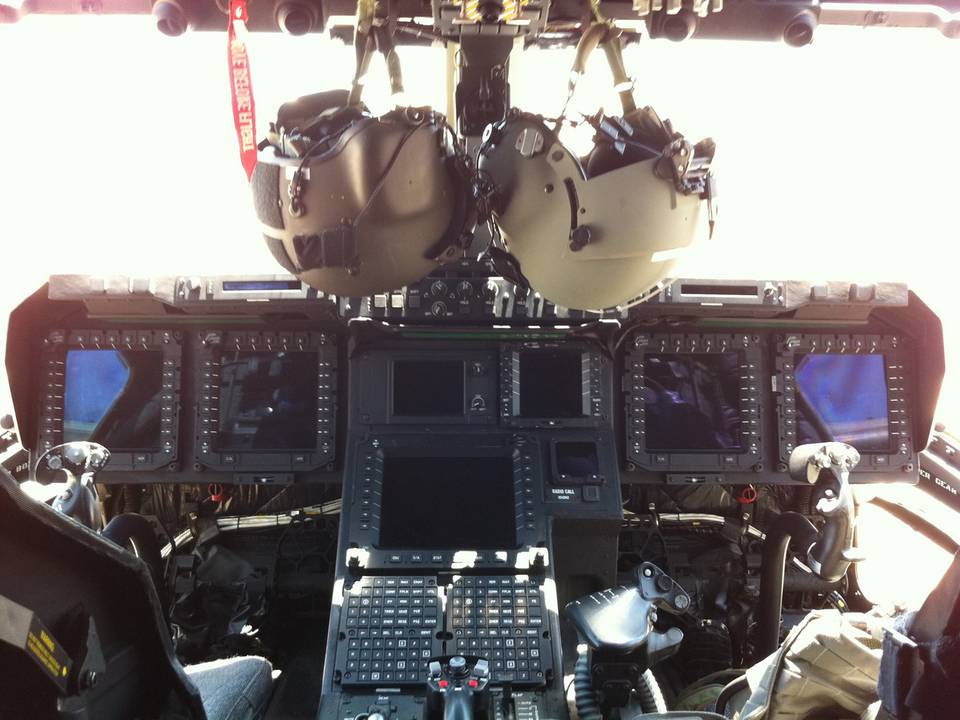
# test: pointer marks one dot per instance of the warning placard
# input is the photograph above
(45, 651)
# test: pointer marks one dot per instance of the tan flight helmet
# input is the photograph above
(354, 204)
(602, 231)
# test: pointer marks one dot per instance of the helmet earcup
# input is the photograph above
(589, 234)
(372, 205)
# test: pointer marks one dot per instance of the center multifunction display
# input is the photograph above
(716, 403)
(462, 502)
(553, 386)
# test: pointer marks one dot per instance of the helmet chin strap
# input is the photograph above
(601, 32)
(374, 32)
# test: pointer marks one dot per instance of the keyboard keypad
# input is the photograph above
(501, 619)
(391, 624)
(391, 627)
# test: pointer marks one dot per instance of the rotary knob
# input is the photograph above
(465, 290)
(438, 288)
(438, 309)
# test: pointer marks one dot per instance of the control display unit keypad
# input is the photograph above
(391, 627)
(501, 619)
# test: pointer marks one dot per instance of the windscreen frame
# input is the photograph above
(214, 344)
(901, 455)
(749, 457)
(53, 358)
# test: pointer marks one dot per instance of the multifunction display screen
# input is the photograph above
(268, 400)
(576, 462)
(113, 397)
(843, 398)
(692, 401)
(448, 503)
(551, 383)
(428, 388)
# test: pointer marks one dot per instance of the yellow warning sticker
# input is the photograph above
(48, 655)
(42, 649)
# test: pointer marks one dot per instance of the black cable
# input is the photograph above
(788, 530)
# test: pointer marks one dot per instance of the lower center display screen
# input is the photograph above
(692, 401)
(455, 503)
(268, 401)
(551, 383)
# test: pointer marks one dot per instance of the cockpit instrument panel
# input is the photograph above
(253, 386)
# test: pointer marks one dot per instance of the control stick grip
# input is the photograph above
(830, 556)
(458, 705)
(828, 466)
(457, 688)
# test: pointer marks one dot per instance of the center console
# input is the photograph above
(470, 464)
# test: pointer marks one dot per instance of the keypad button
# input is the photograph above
(392, 623)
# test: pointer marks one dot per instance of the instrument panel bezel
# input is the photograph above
(594, 401)
(367, 489)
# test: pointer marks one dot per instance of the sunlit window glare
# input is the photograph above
(902, 566)
(835, 161)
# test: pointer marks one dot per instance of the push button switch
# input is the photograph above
(591, 493)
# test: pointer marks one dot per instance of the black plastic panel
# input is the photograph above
(552, 385)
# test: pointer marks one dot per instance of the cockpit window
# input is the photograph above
(902, 565)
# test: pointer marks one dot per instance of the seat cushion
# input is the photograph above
(233, 689)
